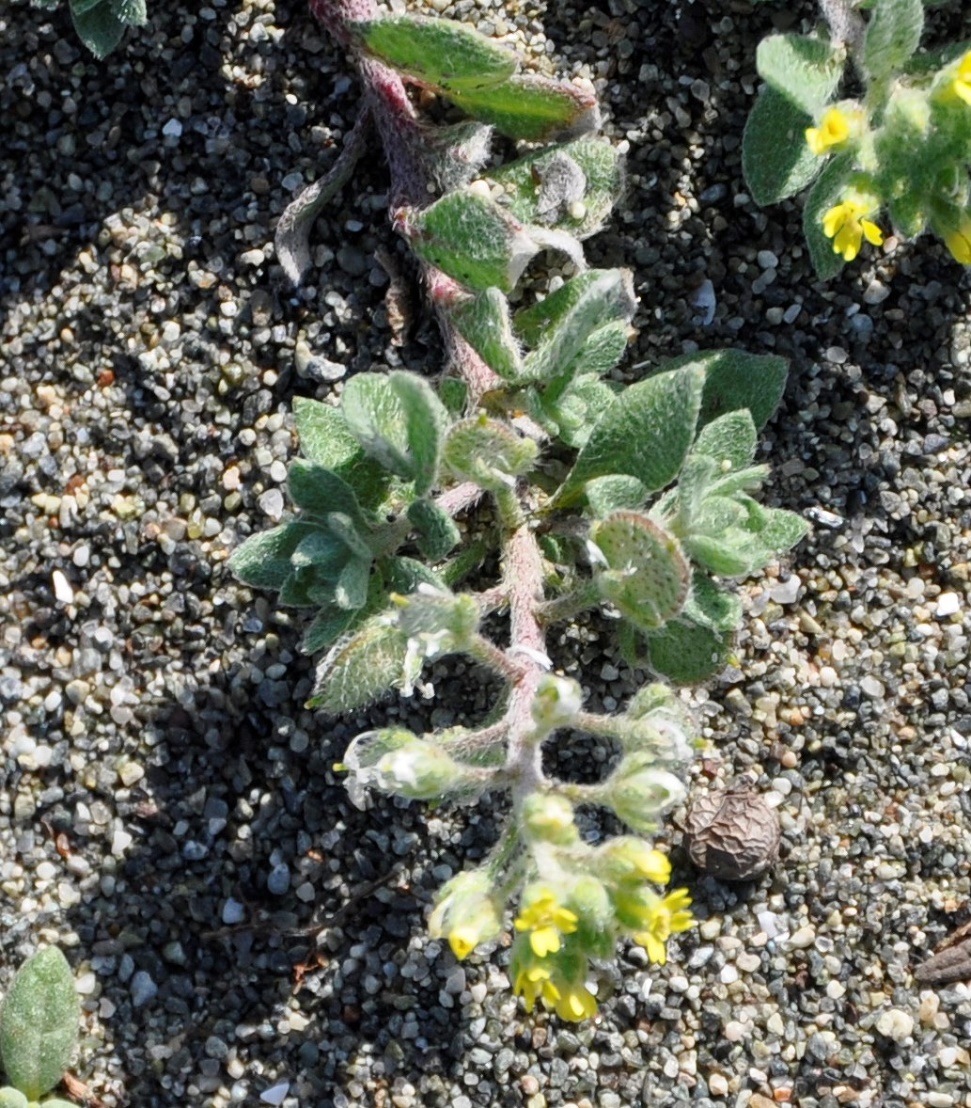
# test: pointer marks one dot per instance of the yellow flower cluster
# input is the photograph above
(550, 955)
(847, 225)
(958, 240)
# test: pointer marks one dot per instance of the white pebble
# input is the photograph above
(121, 840)
(948, 604)
(271, 503)
(896, 1024)
(172, 129)
(802, 938)
(735, 1031)
(62, 588)
(275, 1094)
(718, 1085)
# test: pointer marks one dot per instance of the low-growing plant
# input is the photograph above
(38, 1031)
(898, 149)
(588, 494)
(101, 24)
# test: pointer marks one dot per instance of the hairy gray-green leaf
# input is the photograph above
(404, 575)
(711, 606)
(438, 533)
(318, 491)
(686, 652)
(482, 319)
(827, 192)
(488, 452)
(530, 108)
(39, 1023)
(645, 433)
(730, 439)
(327, 627)
(776, 159)
(892, 36)
(603, 302)
(610, 494)
(97, 26)
(361, 669)
(14, 1098)
(734, 379)
(132, 12)
(471, 238)
(436, 52)
(543, 188)
(805, 70)
(399, 421)
(572, 416)
(264, 560)
(647, 575)
(326, 439)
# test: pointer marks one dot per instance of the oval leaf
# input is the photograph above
(39, 1023)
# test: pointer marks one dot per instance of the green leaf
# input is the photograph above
(712, 607)
(263, 560)
(529, 108)
(647, 575)
(488, 452)
(134, 13)
(686, 652)
(729, 439)
(470, 238)
(326, 439)
(305, 588)
(734, 379)
(776, 160)
(318, 491)
(645, 433)
(322, 550)
(347, 529)
(361, 669)
(605, 301)
(39, 1023)
(351, 587)
(97, 26)
(806, 71)
(438, 533)
(326, 628)
(573, 416)
(482, 319)
(892, 37)
(399, 421)
(827, 192)
(781, 529)
(454, 394)
(14, 1098)
(436, 52)
(574, 186)
(609, 494)
(404, 575)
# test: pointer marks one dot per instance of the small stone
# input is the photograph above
(143, 989)
(275, 1094)
(62, 588)
(896, 1024)
(948, 604)
(278, 881)
(173, 129)
(233, 912)
(802, 938)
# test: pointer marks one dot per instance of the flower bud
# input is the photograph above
(629, 859)
(639, 792)
(419, 771)
(548, 818)
(467, 913)
(556, 703)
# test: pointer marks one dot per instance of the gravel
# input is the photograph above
(169, 812)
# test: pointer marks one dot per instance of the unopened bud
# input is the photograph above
(549, 819)
(639, 792)
(556, 703)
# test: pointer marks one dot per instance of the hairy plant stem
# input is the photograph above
(405, 144)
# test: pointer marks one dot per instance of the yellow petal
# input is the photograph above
(872, 232)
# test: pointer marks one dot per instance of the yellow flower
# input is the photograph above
(958, 240)
(833, 132)
(576, 1003)
(961, 86)
(847, 226)
(546, 920)
(534, 982)
(663, 919)
(466, 913)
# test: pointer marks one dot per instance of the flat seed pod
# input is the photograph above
(732, 835)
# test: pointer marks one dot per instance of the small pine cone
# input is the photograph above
(732, 835)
